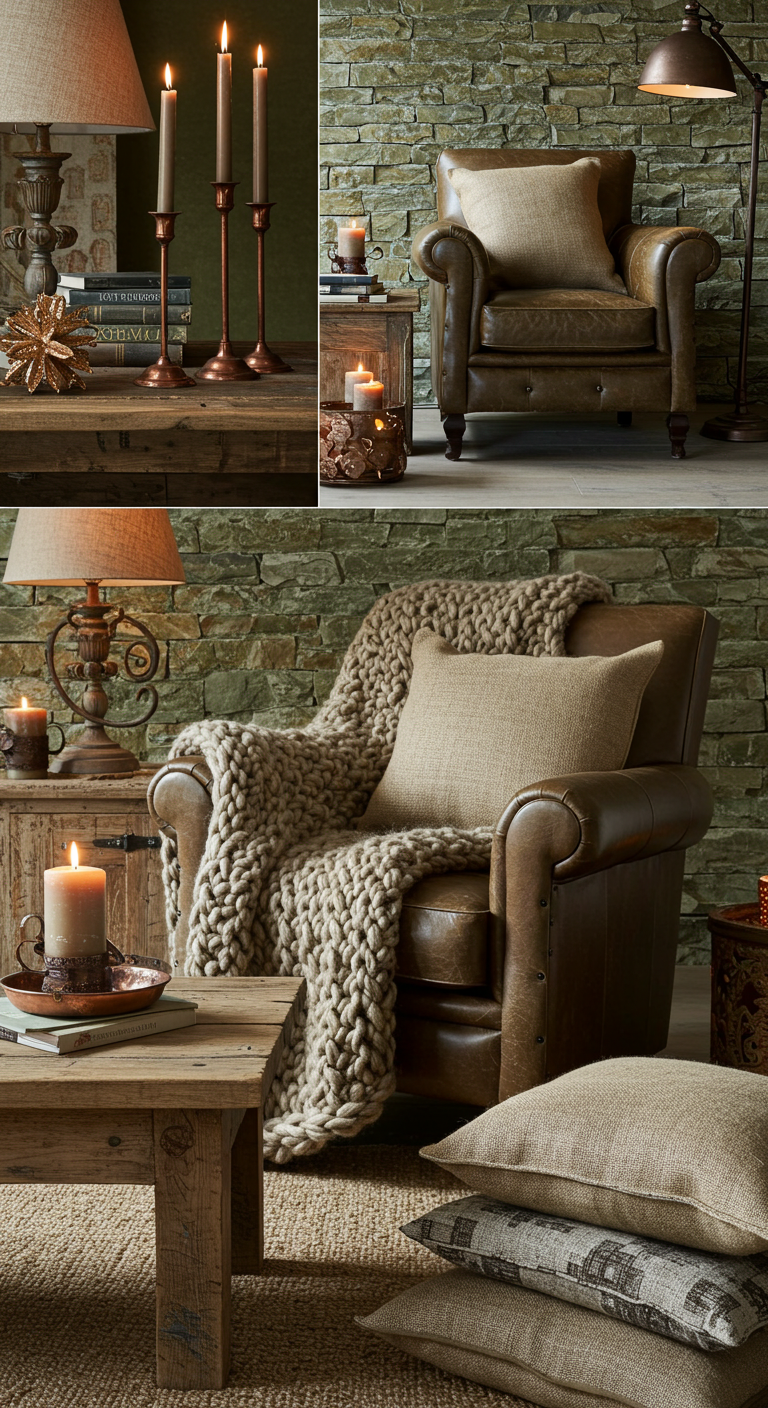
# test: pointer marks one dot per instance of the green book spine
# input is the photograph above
(133, 332)
(137, 313)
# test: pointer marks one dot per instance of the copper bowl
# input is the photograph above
(133, 988)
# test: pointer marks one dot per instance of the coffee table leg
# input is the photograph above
(248, 1197)
(192, 1232)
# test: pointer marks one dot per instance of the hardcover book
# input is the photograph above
(148, 278)
(137, 313)
(132, 333)
(60, 1038)
(76, 297)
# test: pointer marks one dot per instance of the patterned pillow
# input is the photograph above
(698, 1298)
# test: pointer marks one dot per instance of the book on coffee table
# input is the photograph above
(62, 1038)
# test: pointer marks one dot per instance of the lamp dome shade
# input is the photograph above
(69, 63)
(118, 547)
(688, 65)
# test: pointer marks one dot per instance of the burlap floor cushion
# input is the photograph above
(699, 1298)
(476, 728)
(675, 1150)
(562, 1356)
(540, 225)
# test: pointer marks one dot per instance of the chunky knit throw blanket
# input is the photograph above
(287, 886)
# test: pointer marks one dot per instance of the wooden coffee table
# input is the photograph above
(181, 1110)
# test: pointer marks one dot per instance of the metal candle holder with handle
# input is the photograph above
(26, 757)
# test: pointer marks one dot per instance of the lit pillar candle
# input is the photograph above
(353, 379)
(224, 111)
(26, 722)
(75, 909)
(351, 241)
(166, 170)
(260, 153)
(367, 396)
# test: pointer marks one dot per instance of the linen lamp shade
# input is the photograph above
(118, 547)
(69, 63)
(688, 65)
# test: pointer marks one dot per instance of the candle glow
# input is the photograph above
(168, 79)
(224, 38)
(260, 57)
(24, 703)
(74, 858)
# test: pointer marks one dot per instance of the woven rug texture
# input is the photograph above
(77, 1293)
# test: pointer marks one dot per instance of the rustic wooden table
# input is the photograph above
(210, 444)
(379, 333)
(181, 1110)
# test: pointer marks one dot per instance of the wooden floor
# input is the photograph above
(410, 1119)
(547, 461)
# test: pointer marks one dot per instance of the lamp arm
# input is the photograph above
(715, 28)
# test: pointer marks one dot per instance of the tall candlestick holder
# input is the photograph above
(164, 374)
(262, 358)
(225, 366)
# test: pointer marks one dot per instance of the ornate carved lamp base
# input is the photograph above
(94, 754)
(40, 190)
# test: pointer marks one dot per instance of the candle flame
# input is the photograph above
(24, 703)
(168, 79)
(224, 38)
(354, 225)
(379, 424)
(74, 859)
(360, 367)
(260, 57)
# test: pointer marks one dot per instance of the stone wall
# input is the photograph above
(403, 79)
(274, 597)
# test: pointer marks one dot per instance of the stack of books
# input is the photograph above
(124, 310)
(352, 288)
(66, 1038)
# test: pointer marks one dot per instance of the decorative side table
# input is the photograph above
(378, 334)
(739, 988)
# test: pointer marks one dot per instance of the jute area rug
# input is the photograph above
(77, 1293)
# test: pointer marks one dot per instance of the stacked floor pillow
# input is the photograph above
(613, 1248)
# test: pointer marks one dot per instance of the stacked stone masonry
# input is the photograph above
(274, 597)
(403, 79)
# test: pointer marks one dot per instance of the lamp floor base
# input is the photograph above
(106, 759)
(266, 362)
(740, 425)
(225, 366)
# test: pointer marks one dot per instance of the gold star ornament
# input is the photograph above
(47, 344)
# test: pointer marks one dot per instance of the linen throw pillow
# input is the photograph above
(675, 1150)
(540, 225)
(712, 1302)
(476, 728)
(563, 1356)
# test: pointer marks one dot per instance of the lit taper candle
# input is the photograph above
(260, 151)
(224, 110)
(167, 167)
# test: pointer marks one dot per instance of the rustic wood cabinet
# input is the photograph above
(38, 820)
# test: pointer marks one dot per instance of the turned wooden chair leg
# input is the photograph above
(677, 425)
(454, 427)
(624, 419)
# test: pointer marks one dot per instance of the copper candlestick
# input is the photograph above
(164, 374)
(225, 366)
(262, 358)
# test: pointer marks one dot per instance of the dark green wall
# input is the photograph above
(186, 33)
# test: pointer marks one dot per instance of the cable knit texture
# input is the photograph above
(287, 886)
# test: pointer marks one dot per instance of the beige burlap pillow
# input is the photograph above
(675, 1150)
(540, 225)
(476, 728)
(562, 1356)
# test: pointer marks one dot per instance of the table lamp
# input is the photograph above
(692, 65)
(65, 66)
(115, 547)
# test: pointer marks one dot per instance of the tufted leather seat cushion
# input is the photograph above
(566, 320)
(444, 931)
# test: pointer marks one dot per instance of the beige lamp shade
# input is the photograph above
(119, 547)
(69, 63)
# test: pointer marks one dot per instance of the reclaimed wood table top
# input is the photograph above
(60, 787)
(399, 301)
(112, 401)
(226, 1061)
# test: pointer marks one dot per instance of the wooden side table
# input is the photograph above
(182, 1111)
(378, 334)
(38, 820)
(739, 988)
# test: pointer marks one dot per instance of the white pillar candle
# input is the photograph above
(367, 396)
(260, 150)
(353, 379)
(26, 722)
(75, 909)
(166, 170)
(224, 111)
(351, 241)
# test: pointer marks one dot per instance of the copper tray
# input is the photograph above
(133, 988)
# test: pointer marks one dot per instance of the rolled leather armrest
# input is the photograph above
(457, 264)
(427, 254)
(179, 803)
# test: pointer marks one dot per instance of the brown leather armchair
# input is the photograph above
(508, 349)
(565, 953)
